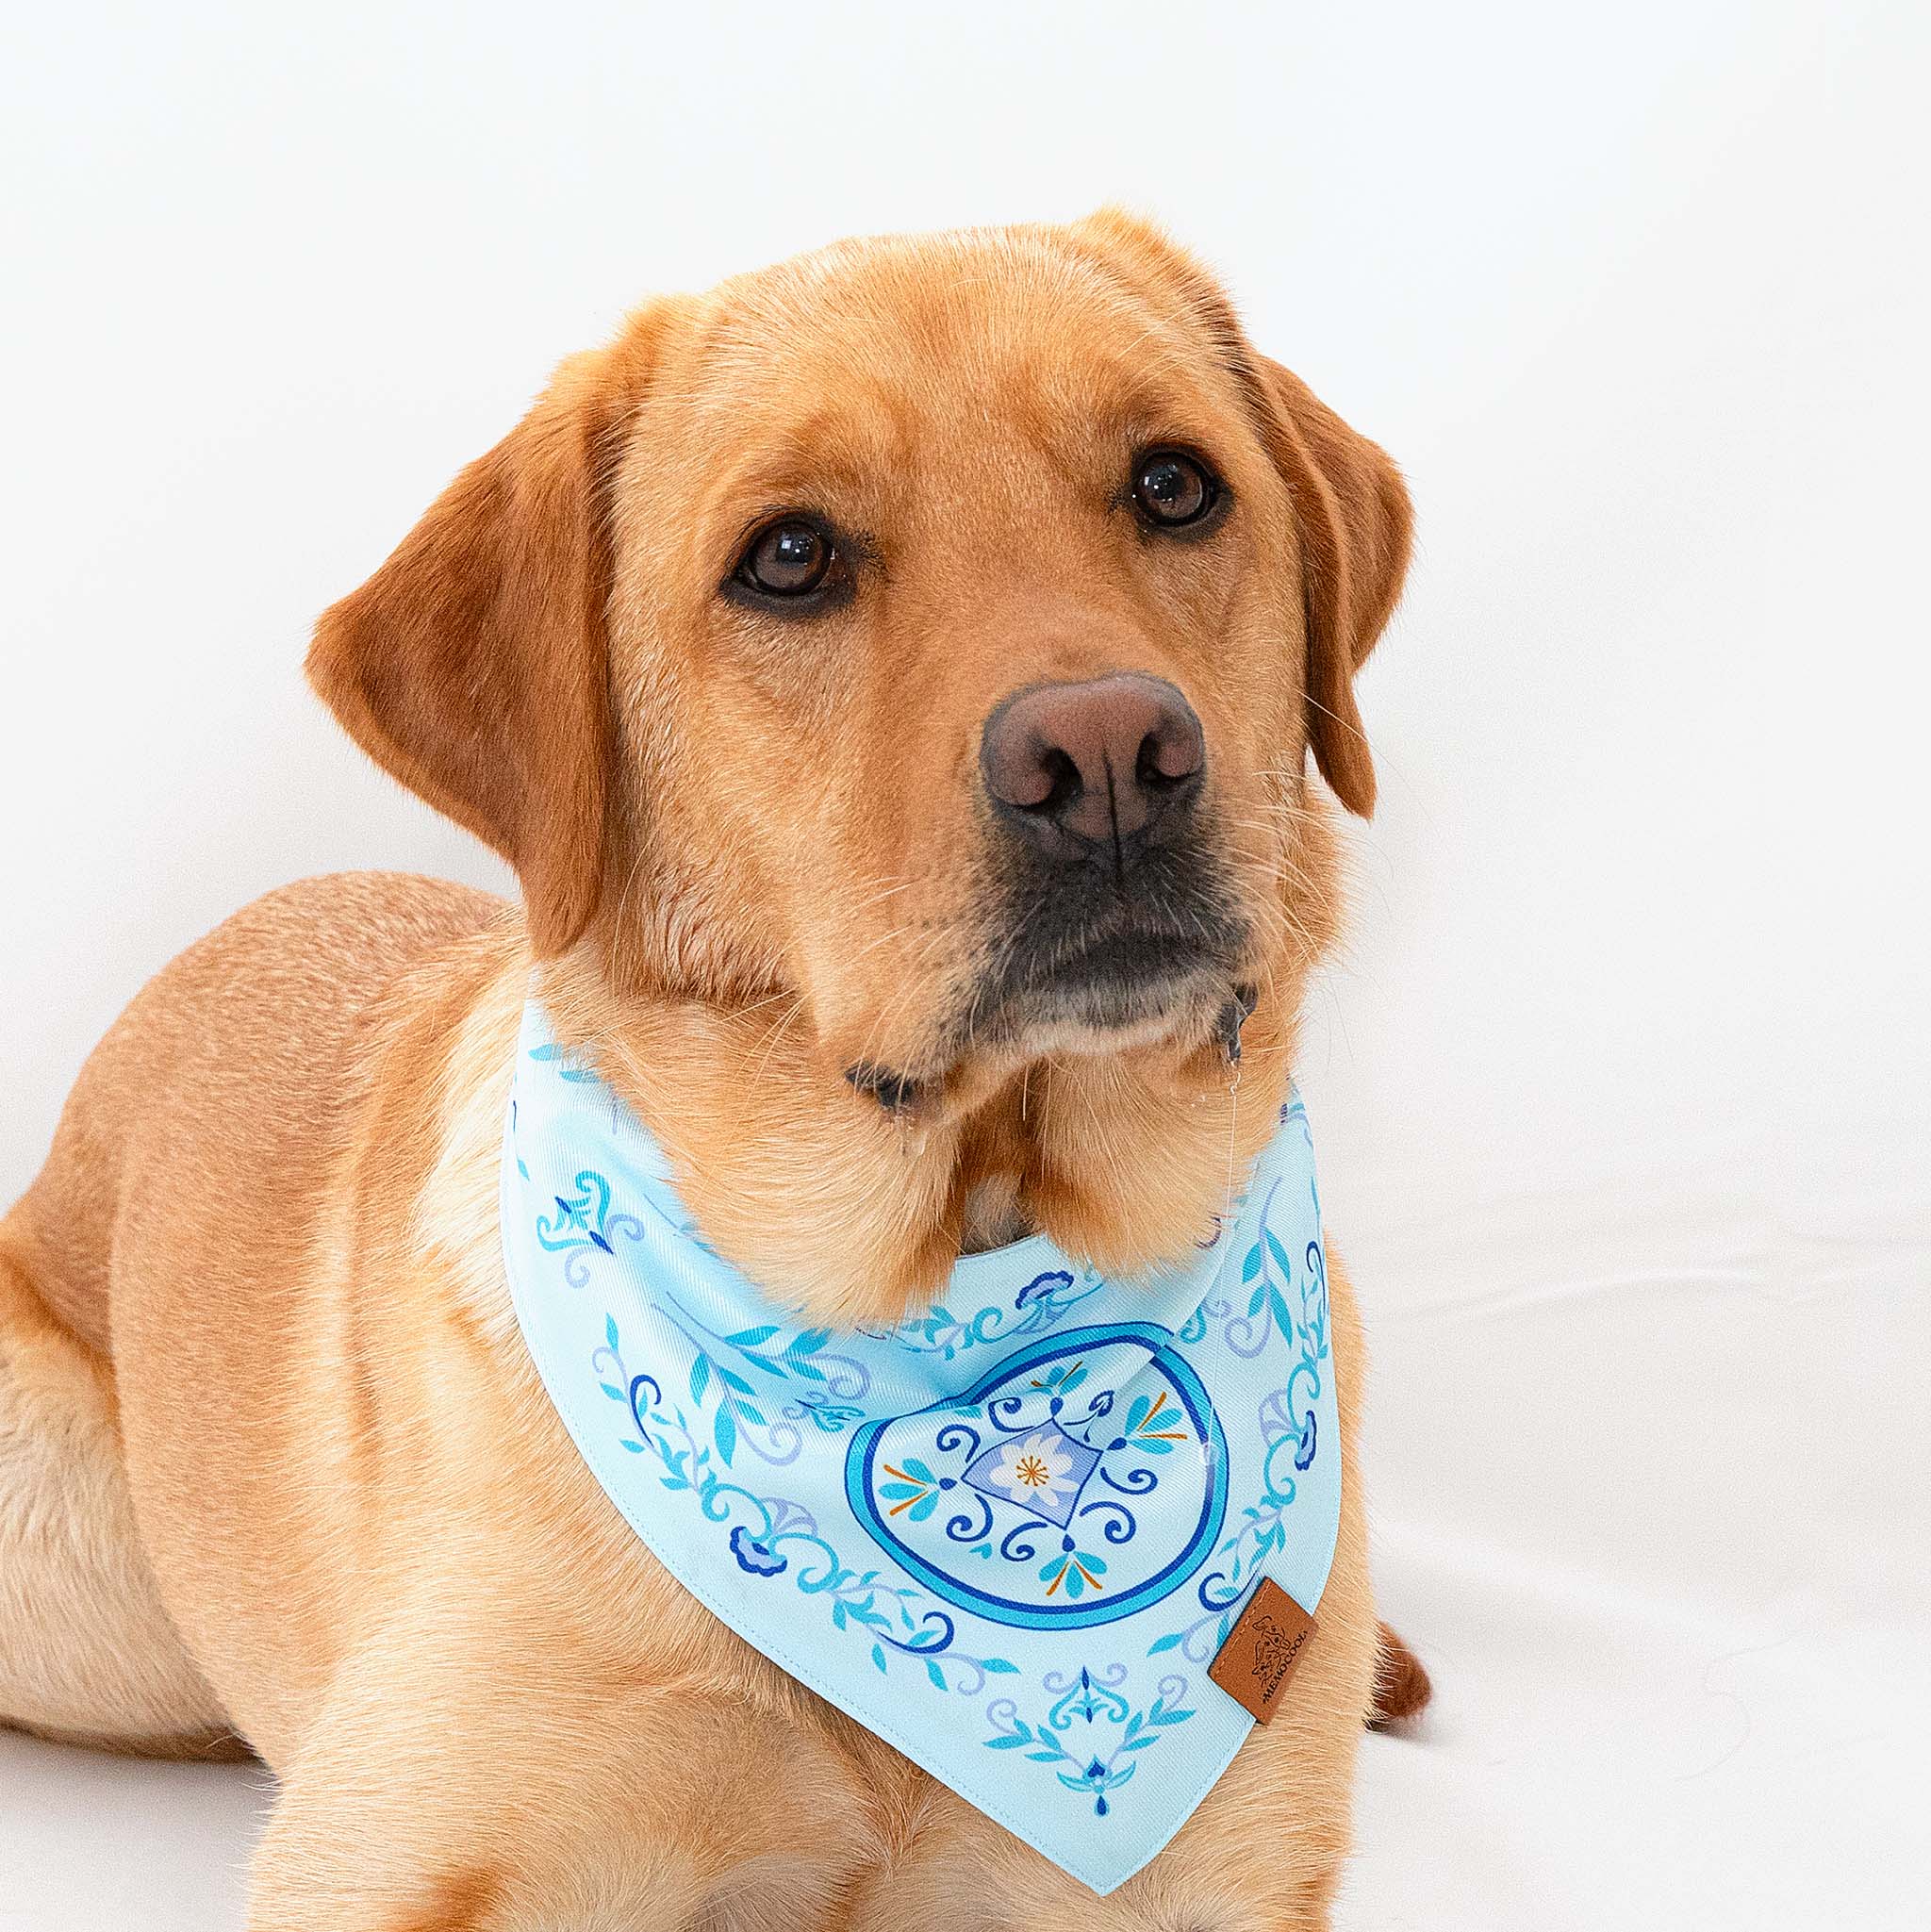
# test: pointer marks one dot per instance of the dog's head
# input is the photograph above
(916, 646)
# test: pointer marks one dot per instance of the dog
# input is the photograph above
(893, 678)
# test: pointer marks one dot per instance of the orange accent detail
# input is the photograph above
(924, 1489)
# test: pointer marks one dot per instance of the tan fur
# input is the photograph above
(272, 1458)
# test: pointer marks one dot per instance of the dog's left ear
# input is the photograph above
(1352, 512)
(1350, 505)
(473, 665)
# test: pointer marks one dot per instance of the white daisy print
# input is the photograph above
(1038, 1472)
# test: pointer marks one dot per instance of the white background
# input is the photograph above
(1622, 1082)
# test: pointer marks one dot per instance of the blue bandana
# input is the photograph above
(1007, 1536)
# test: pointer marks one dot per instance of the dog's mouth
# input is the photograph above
(1101, 964)
(1090, 965)
(1109, 990)
(1132, 987)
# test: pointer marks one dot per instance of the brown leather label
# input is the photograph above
(1262, 1649)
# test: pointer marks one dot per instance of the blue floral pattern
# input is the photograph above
(1051, 1456)
(1116, 1728)
(1043, 1303)
(1007, 1543)
(582, 1219)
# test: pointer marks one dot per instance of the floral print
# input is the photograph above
(1040, 1304)
(1036, 1472)
(1062, 1504)
(759, 1559)
(1078, 1570)
(1007, 1541)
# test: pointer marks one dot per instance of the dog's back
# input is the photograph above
(191, 1161)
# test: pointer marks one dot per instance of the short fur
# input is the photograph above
(272, 1463)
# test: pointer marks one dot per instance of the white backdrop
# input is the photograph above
(1622, 1085)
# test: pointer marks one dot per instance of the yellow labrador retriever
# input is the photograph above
(892, 677)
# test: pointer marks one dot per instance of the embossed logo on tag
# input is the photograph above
(1262, 1649)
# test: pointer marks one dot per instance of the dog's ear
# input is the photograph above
(1352, 512)
(1350, 505)
(473, 665)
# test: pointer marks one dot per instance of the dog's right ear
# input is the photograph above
(473, 666)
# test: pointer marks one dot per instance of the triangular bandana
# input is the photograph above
(1008, 1536)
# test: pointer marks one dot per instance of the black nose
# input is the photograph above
(1092, 763)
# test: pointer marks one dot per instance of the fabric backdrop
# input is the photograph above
(1621, 1082)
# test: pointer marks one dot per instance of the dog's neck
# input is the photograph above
(857, 1212)
(991, 1216)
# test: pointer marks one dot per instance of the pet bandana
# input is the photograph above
(1008, 1536)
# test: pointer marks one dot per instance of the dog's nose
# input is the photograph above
(1099, 760)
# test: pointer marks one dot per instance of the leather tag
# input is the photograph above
(1262, 1649)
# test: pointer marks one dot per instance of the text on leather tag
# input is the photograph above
(1262, 1649)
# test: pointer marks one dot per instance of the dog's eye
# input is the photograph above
(791, 558)
(1172, 488)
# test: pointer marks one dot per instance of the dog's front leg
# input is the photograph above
(326, 1865)
(397, 1852)
(293, 1891)
(525, 1802)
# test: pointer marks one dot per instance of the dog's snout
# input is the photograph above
(1099, 760)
